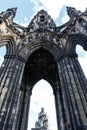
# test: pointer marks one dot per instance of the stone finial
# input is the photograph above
(72, 12)
(9, 14)
(42, 20)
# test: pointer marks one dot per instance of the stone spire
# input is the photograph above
(42, 20)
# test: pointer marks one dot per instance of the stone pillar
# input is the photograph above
(65, 98)
(11, 82)
(25, 108)
(72, 83)
(80, 91)
(3, 68)
(6, 66)
(59, 112)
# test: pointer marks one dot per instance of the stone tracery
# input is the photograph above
(43, 44)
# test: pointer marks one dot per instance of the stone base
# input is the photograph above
(82, 127)
(39, 129)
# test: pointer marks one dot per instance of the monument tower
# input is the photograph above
(43, 51)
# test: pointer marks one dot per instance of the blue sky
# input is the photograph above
(26, 9)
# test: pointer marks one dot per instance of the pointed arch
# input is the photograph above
(9, 43)
(76, 39)
(30, 48)
(44, 66)
(2, 54)
(42, 96)
(82, 57)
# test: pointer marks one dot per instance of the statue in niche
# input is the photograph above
(42, 120)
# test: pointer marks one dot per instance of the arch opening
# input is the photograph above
(2, 54)
(42, 96)
(40, 66)
(82, 57)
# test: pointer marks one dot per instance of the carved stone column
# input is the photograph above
(72, 91)
(11, 83)
(25, 109)
(64, 97)
(59, 112)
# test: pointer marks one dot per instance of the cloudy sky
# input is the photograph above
(26, 9)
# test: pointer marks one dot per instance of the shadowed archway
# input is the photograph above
(40, 65)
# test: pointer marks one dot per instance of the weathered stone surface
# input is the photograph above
(43, 51)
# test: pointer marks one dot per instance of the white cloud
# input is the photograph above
(24, 23)
(83, 62)
(54, 6)
(65, 19)
(82, 57)
(1, 60)
(50, 6)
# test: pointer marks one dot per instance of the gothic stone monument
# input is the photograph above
(43, 51)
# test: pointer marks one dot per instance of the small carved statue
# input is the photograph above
(42, 120)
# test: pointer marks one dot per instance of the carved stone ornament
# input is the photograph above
(42, 20)
(43, 27)
(43, 51)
